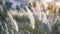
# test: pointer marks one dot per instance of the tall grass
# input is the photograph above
(30, 20)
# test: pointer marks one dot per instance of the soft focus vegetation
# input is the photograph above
(29, 17)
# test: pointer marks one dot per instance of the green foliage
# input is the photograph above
(3, 13)
(55, 29)
(5, 9)
(8, 5)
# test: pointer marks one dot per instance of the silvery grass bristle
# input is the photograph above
(28, 32)
(1, 8)
(31, 17)
(45, 20)
(14, 23)
(37, 11)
